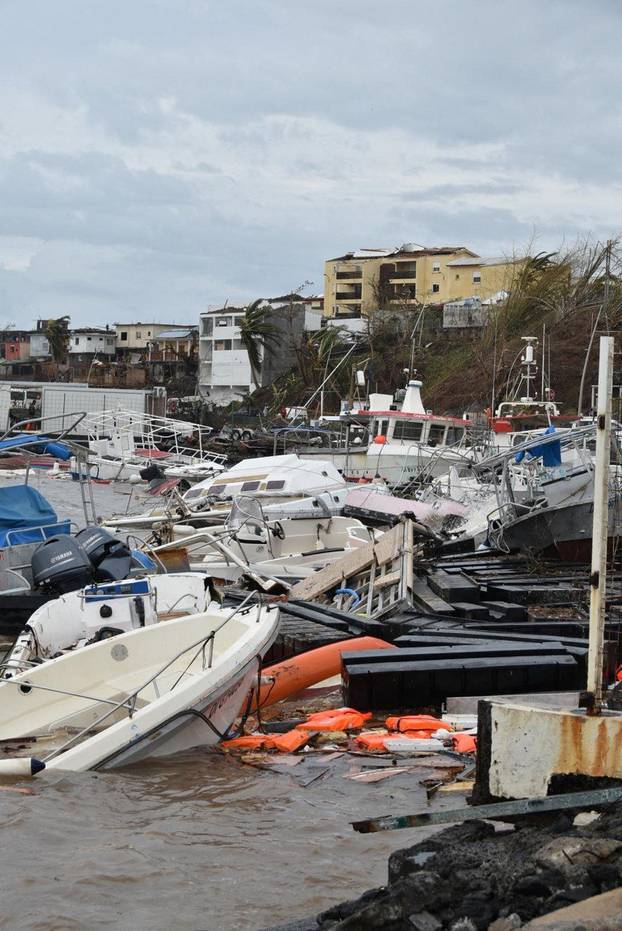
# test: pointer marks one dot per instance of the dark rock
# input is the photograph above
(568, 896)
(533, 885)
(345, 909)
(604, 875)
(403, 862)
(424, 921)
(386, 913)
(418, 891)
(507, 923)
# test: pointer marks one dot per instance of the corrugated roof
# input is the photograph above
(176, 334)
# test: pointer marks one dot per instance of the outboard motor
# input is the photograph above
(111, 559)
(61, 565)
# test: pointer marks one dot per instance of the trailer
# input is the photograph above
(59, 400)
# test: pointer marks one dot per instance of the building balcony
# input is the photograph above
(403, 274)
(349, 275)
(354, 295)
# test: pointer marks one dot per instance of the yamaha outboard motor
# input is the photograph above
(111, 559)
(60, 565)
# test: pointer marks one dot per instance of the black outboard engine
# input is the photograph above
(111, 559)
(60, 565)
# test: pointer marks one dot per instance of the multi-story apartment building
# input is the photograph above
(224, 369)
(358, 283)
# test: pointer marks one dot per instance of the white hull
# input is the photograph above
(396, 464)
(81, 706)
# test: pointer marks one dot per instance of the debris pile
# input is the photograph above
(474, 877)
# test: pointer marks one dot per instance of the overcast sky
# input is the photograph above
(159, 156)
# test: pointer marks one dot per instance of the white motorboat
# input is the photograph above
(286, 486)
(291, 548)
(104, 610)
(153, 691)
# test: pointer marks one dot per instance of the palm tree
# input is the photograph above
(57, 334)
(258, 336)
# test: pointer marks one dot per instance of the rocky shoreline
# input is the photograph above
(477, 876)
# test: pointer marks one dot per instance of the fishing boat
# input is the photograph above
(153, 691)
(405, 442)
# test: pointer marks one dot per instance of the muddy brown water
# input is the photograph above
(197, 841)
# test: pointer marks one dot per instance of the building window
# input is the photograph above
(457, 277)
(123, 336)
(88, 339)
(139, 334)
(148, 332)
(436, 288)
(477, 277)
(222, 345)
(77, 341)
(223, 321)
(436, 267)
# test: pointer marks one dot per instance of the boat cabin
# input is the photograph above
(412, 424)
(270, 476)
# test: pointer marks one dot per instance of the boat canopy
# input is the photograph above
(36, 443)
(26, 516)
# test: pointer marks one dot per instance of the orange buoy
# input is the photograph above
(298, 673)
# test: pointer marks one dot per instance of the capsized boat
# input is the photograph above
(154, 691)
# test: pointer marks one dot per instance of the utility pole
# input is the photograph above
(600, 528)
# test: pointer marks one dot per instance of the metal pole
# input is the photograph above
(600, 527)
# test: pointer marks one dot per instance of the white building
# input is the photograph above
(93, 341)
(224, 368)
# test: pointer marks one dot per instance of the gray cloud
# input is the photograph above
(160, 155)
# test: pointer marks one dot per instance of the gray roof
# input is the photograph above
(176, 334)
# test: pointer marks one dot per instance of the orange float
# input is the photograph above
(417, 722)
(298, 673)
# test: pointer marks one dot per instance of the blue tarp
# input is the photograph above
(551, 452)
(36, 443)
(23, 509)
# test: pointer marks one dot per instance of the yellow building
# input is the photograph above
(478, 277)
(358, 283)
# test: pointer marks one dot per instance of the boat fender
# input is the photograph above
(105, 611)
(21, 766)
(353, 594)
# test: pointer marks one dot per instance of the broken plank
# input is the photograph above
(498, 811)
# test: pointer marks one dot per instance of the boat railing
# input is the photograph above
(150, 431)
(60, 433)
(129, 702)
(73, 527)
